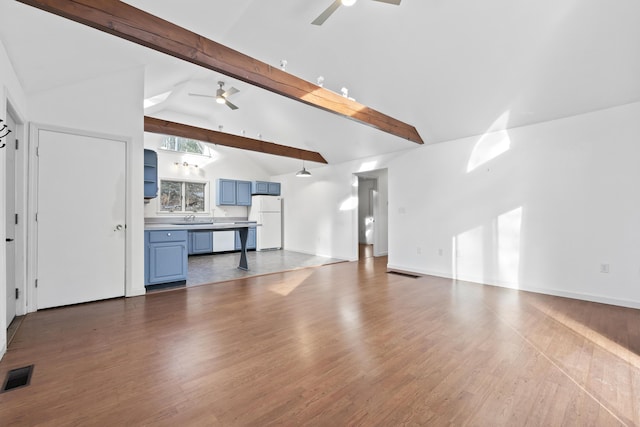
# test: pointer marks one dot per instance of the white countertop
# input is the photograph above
(215, 226)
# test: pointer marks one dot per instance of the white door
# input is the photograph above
(10, 198)
(81, 218)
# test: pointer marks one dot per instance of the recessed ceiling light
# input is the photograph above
(348, 2)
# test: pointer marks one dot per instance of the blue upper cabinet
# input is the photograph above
(231, 192)
(265, 188)
(226, 192)
(150, 174)
(243, 193)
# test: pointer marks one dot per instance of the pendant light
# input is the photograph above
(303, 173)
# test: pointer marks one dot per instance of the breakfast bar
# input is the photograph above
(166, 248)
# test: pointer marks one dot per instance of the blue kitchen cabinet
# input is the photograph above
(150, 174)
(226, 192)
(251, 240)
(200, 242)
(265, 188)
(243, 193)
(231, 192)
(165, 256)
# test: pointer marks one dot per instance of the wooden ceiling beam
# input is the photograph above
(138, 26)
(165, 127)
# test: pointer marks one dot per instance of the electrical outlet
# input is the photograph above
(402, 211)
(604, 268)
(440, 252)
(419, 250)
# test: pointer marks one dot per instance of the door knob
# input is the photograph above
(118, 227)
(9, 240)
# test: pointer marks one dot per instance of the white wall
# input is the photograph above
(11, 92)
(224, 163)
(110, 105)
(537, 208)
(381, 245)
(321, 212)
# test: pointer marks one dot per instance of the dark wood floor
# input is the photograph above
(344, 344)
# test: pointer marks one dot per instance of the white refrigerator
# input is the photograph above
(267, 210)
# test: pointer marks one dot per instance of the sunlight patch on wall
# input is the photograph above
(509, 228)
(349, 204)
(490, 253)
(493, 143)
(155, 100)
(468, 255)
(368, 166)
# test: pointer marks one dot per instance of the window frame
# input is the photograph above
(183, 185)
(180, 145)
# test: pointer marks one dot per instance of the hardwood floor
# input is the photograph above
(343, 344)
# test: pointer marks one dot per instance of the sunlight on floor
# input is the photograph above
(288, 286)
(592, 335)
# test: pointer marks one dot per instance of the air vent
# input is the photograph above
(401, 273)
(17, 378)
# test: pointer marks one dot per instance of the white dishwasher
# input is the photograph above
(224, 241)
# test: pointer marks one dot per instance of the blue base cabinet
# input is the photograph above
(200, 242)
(165, 256)
(251, 240)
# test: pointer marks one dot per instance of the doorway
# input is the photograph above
(372, 217)
(81, 210)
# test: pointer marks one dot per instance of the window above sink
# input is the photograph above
(177, 196)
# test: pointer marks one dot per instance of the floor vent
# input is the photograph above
(401, 273)
(17, 378)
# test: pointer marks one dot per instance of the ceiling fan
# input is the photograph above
(337, 3)
(221, 95)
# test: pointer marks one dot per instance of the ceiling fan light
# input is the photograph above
(220, 99)
(348, 2)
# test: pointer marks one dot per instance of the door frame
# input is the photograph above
(20, 185)
(379, 226)
(32, 208)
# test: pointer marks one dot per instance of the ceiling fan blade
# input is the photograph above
(204, 96)
(396, 2)
(230, 92)
(327, 13)
(230, 105)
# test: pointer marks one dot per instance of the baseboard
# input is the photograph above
(545, 291)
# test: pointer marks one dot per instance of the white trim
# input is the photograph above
(21, 170)
(545, 291)
(32, 207)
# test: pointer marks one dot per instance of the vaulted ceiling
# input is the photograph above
(450, 68)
